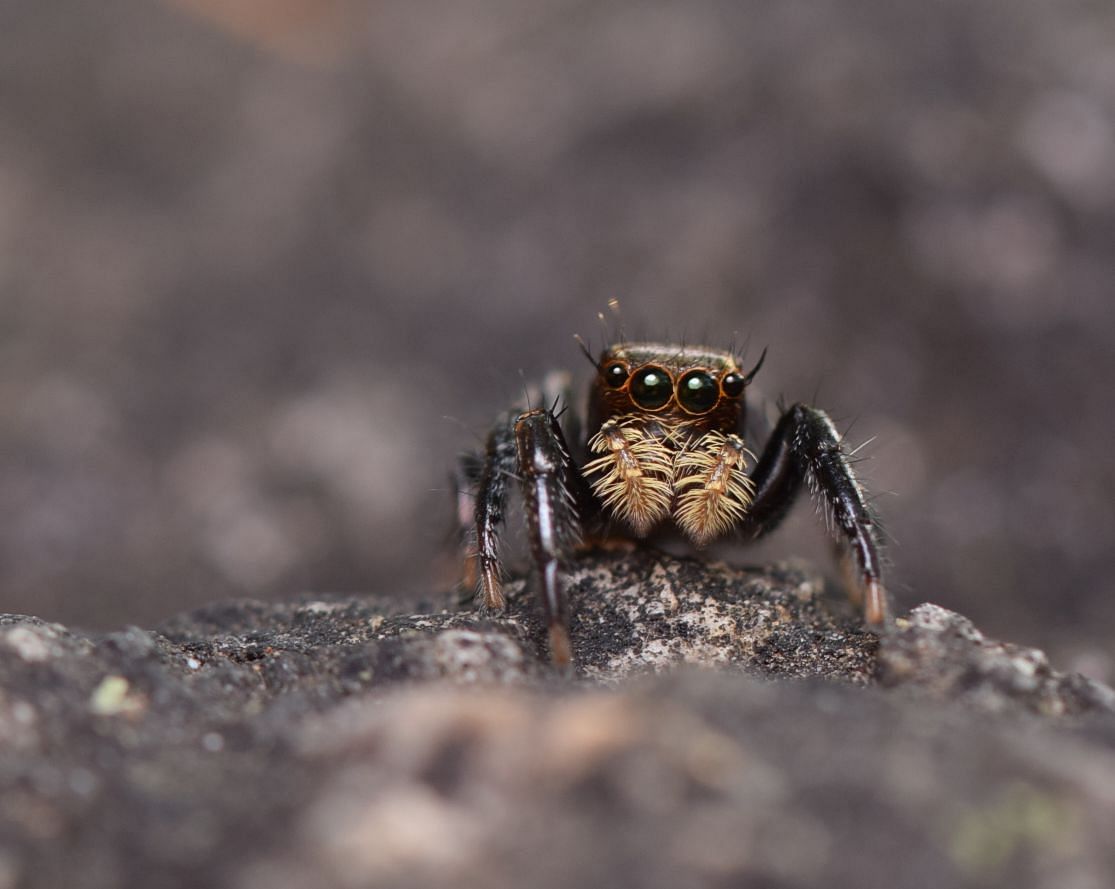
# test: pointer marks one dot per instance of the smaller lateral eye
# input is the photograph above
(732, 384)
(615, 375)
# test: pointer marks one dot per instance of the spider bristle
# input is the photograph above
(468, 429)
(586, 350)
(614, 333)
(526, 390)
(750, 375)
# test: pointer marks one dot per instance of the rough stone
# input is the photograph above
(724, 727)
(941, 652)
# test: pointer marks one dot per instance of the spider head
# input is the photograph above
(663, 424)
(668, 387)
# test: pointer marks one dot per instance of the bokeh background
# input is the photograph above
(266, 267)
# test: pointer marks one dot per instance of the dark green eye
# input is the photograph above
(698, 392)
(615, 375)
(651, 388)
(732, 384)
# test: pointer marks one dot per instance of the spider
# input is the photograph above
(663, 443)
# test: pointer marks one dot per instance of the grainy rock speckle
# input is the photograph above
(724, 727)
(943, 653)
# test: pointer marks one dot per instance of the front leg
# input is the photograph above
(805, 446)
(552, 488)
(529, 446)
(481, 485)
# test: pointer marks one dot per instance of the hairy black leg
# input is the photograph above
(555, 392)
(805, 446)
(500, 462)
(550, 483)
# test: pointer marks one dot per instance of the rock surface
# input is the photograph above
(348, 743)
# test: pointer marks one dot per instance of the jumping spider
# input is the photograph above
(663, 442)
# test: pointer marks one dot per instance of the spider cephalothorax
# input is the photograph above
(664, 443)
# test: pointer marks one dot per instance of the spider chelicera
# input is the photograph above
(663, 442)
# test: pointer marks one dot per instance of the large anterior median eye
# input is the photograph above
(651, 387)
(698, 392)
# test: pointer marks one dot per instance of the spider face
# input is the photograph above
(676, 385)
(664, 443)
(664, 419)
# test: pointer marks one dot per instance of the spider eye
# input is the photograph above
(698, 392)
(732, 384)
(615, 375)
(651, 387)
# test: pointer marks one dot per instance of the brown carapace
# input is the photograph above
(664, 443)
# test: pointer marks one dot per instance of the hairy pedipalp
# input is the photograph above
(634, 475)
(713, 491)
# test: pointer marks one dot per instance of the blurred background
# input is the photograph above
(266, 267)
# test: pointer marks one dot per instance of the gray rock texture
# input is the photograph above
(725, 727)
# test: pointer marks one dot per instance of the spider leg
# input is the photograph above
(805, 446)
(556, 393)
(488, 508)
(551, 487)
(529, 446)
